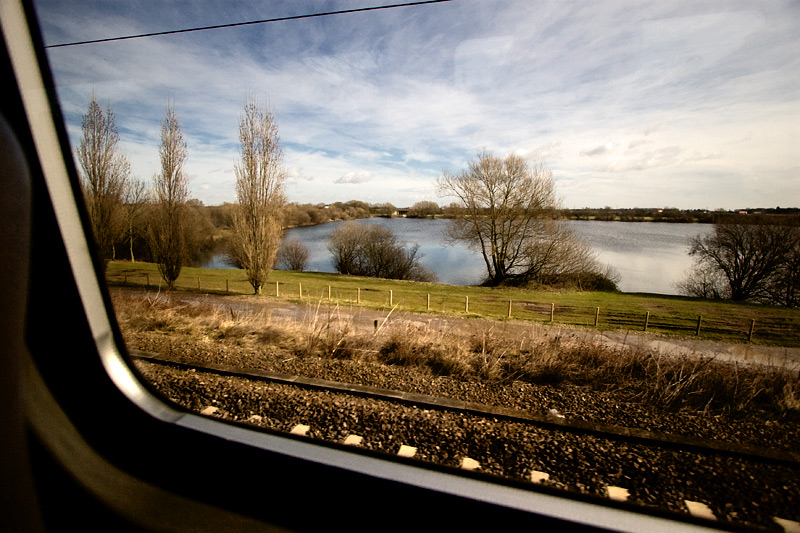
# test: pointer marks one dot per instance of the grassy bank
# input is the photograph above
(724, 321)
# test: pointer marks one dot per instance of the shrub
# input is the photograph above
(373, 250)
(293, 255)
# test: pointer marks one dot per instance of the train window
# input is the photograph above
(430, 369)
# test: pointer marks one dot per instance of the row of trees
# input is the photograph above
(312, 214)
(116, 201)
(506, 210)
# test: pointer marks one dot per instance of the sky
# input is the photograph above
(694, 105)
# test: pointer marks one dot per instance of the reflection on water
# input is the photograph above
(649, 256)
(454, 265)
(217, 260)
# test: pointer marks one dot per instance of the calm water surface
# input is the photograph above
(650, 257)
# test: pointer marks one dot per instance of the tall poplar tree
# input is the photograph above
(260, 176)
(105, 174)
(171, 192)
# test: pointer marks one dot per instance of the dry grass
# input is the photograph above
(671, 383)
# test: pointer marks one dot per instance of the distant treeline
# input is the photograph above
(296, 214)
(670, 214)
(208, 227)
(312, 214)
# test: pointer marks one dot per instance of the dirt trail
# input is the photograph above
(365, 319)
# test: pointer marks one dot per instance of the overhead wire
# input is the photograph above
(247, 23)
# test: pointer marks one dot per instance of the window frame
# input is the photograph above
(97, 427)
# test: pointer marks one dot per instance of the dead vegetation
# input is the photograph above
(666, 382)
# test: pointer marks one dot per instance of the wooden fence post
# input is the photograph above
(329, 293)
(752, 327)
(277, 289)
(697, 330)
(596, 316)
(227, 287)
(466, 304)
(646, 320)
(391, 298)
(509, 309)
(198, 283)
(429, 301)
(552, 311)
(358, 293)
(300, 286)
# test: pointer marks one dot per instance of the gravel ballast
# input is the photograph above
(742, 489)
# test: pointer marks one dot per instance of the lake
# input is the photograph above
(649, 256)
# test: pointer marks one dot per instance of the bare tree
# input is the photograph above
(505, 211)
(344, 243)
(105, 174)
(560, 257)
(135, 198)
(171, 191)
(293, 255)
(260, 176)
(748, 260)
(703, 280)
(785, 289)
(198, 231)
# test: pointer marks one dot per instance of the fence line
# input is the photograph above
(743, 329)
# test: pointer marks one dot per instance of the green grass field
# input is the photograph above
(667, 314)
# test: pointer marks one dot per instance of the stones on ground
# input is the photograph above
(353, 440)
(566, 442)
(469, 464)
(300, 429)
(255, 419)
(617, 493)
(789, 526)
(700, 510)
(538, 477)
(407, 451)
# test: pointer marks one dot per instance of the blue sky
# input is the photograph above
(630, 104)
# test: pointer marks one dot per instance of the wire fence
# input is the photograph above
(780, 330)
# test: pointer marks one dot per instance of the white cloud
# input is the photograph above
(355, 177)
(658, 90)
(594, 152)
(296, 173)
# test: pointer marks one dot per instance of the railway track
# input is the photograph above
(737, 487)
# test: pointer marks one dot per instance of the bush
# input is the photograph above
(373, 250)
(424, 209)
(293, 255)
